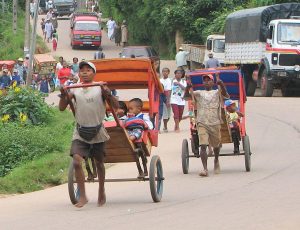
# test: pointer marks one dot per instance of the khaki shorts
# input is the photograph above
(209, 135)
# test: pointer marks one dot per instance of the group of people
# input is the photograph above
(18, 74)
(117, 32)
(49, 27)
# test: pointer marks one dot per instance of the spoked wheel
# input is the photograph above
(265, 85)
(246, 146)
(185, 156)
(156, 178)
(72, 185)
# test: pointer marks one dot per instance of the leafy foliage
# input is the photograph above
(23, 104)
(21, 144)
(155, 22)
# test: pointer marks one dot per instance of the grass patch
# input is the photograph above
(48, 167)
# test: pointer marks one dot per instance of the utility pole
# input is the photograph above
(27, 26)
(32, 44)
(15, 8)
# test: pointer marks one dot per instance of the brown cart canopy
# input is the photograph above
(251, 25)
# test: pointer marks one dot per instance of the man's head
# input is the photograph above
(87, 71)
(15, 71)
(61, 59)
(5, 72)
(27, 56)
(20, 61)
(208, 81)
(210, 55)
(135, 106)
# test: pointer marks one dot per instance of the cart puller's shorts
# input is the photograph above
(85, 149)
(209, 135)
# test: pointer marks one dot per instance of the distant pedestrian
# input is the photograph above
(21, 69)
(16, 78)
(54, 42)
(110, 28)
(32, 9)
(75, 66)
(43, 26)
(64, 73)
(117, 34)
(212, 62)
(124, 32)
(181, 58)
(44, 86)
(99, 54)
(5, 80)
(54, 21)
(48, 30)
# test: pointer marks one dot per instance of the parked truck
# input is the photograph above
(265, 43)
(215, 44)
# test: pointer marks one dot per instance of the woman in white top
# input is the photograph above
(177, 101)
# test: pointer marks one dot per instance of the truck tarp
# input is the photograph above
(251, 25)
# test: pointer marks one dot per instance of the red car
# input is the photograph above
(85, 31)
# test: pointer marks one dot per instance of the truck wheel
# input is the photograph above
(251, 87)
(266, 85)
(287, 92)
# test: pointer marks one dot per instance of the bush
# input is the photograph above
(24, 105)
(21, 143)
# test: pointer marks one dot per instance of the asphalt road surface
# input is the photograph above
(265, 198)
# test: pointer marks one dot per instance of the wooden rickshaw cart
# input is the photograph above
(128, 74)
(45, 65)
(234, 84)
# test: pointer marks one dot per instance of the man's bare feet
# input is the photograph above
(81, 202)
(204, 173)
(101, 199)
(217, 167)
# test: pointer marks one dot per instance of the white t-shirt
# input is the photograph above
(177, 93)
(167, 83)
(58, 66)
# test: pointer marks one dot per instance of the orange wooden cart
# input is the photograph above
(129, 74)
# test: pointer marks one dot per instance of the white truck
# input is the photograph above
(215, 44)
(265, 43)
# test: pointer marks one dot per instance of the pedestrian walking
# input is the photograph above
(54, 42)
(111, 24)
(124, 32)
(99, 54)
(181, 59)
(43, 22)
(48, 30)
(212, 62)
(75, 67)
(117, 34)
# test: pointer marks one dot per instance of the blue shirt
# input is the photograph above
(4, 81)
(16, 78)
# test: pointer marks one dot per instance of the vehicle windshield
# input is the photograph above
(135, 53)
(289, 33)
(63, 1)
(87, 26)
(219, 46)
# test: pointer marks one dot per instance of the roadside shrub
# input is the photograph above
(20, 144)
(23, 105)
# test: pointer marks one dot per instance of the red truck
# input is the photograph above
(85, 30)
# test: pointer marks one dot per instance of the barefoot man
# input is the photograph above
(89, 134)
(208, 105)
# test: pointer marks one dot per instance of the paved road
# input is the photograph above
(266, 198)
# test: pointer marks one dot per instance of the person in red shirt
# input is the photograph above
(64, 73)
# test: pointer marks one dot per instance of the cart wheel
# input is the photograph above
(246, 146)
(156, 178)
(72, 185)
(185, 156)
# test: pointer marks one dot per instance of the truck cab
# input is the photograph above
(283, 48)
(215, 44)
(64, 7)
(85, 31)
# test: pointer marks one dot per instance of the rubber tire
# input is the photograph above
(251, 88)
(246, 146)
(156, 178)
(185, 157)
(72, 187)
(268, 92)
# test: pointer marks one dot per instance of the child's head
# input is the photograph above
(135, 106)
(75, 79)
(165, 72)
(230, 106)
(43, 77)
(122, 110)
(178, 74)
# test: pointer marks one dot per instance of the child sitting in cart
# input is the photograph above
(136, 121)
(234, 117)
